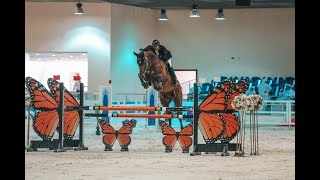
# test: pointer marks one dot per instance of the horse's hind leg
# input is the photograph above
(178, 102)
(165, 103)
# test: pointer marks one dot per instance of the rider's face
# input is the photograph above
(157, 47)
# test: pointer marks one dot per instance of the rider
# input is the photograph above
(166, 56)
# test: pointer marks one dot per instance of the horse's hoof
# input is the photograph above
(185, 150)
(124, 149)
(146, 86)
(108, 149)
(168, 150)
(157, 89)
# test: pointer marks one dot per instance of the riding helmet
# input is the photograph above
(155, 42)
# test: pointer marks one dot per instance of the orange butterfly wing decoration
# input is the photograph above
(107, 129)
(239, 88)
(232, 125)
(218, 100)
(71, 118)
(171, 136)
(46, 120)
(212, 126)
(122, 134)
(184, 138)
(219, 125)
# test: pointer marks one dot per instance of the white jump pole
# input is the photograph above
(152, 101)
(105, 98)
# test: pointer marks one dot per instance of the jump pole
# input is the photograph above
(195, 120)
(168, 116)
(105, 97)
(126, 108)
(81, 146)
(152, 101)
(61, 118)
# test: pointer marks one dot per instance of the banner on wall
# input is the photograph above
(56, 77)
(76, 78)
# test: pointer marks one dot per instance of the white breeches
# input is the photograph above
(169, 61)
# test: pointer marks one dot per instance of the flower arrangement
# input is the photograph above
(251, 104)
(247, 103)
(258, 101)
(27, 98)
(240, 103)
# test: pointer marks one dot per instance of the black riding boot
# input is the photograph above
(173, 75)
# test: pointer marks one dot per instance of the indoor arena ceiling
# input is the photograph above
(187, 4)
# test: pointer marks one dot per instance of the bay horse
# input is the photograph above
(154, 71)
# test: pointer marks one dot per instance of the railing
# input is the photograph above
(278, 108)
(189, 83)
(116, 96)
(136, 96)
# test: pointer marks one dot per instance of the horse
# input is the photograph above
(154, 72)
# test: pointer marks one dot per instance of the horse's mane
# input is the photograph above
(151, 52)
(149, 48)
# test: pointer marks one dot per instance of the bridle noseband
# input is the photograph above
(140, 61)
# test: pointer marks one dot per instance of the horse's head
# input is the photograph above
(145, 58)
(141, 61)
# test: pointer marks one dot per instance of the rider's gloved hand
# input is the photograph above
(161, 51)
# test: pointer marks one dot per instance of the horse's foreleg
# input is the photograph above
(157, 81)
(156, 86)
(143, 83)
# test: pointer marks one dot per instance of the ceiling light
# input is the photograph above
(163, 16)
(220, 15)
(71, 56)
(37, 54)
(83, 54)
(78, 10)
(194, 12)
(53, 55)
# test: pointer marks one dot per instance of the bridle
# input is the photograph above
(140, 61)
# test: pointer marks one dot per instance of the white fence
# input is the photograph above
(277, 112)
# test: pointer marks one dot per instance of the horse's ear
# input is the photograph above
(135, 53)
